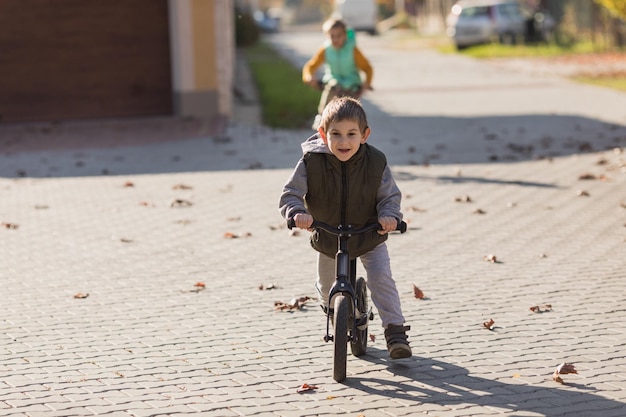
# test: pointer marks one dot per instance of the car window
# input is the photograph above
(471, 12)
(509, 10)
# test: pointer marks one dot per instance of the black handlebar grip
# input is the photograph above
(291, 223)
(402, 227)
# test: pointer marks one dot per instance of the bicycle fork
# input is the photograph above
(344, 284)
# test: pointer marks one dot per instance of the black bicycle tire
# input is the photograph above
(340, 338)
(359, 346)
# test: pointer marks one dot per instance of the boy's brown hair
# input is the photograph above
(344, 108)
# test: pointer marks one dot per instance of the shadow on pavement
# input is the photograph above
(445, 384)
(171, 145)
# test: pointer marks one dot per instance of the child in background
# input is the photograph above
(341, 179)
(343, 62)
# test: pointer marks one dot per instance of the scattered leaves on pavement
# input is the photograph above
(541, 309)
(417, 293)
(12, 226)
(479, 211)
(563, 369)
(81, 295)
(306, 388)
(128, 184)
(489, 324)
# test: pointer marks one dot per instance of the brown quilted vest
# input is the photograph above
(345, 193)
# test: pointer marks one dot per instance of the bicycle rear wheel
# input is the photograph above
(340, 338)
(358, 344)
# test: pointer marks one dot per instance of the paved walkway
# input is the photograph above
(104, 250)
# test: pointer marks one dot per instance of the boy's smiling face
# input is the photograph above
(344, 138)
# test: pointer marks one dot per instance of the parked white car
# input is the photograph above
(360, 15)
(473, 22)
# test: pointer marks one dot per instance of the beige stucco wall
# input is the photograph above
(203, 57)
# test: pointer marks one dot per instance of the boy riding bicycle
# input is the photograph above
(342, 180)
(343, 62)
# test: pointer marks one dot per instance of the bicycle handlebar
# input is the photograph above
(401, 227)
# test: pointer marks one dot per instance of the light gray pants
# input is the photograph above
(380, 283)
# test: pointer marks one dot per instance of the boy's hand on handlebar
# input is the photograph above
(304, 221)
(388, 224)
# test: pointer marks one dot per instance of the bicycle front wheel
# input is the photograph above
(340, 338)
(358, 344)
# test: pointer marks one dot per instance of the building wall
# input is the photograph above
(203, 51)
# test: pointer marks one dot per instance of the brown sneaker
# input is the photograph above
(397, 343)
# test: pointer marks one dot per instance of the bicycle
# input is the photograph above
(348, 295)
(330, 90)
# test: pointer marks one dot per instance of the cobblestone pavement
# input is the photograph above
(103, 251)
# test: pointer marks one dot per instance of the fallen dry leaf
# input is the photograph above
(231, 235)
(586, 177)
(267, 287)
(306, 388)
(463, 199)
(199, 286)
(179, 202)
(490, 258)
(128, 184)
(81, 295)
(541, 309)
(583, 193)
(489, 324)
(182, 187)
(416, 209)
(294, 304)
(479, 211)
(12, 226)
(419, 294)
(146, 204)
(562, 369)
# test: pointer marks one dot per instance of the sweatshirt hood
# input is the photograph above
(314, 144)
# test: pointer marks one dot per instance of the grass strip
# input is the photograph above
(286, 101)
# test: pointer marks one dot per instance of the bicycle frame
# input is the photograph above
(345, 279)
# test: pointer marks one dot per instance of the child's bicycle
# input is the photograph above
(329, 91)
(348, 295)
